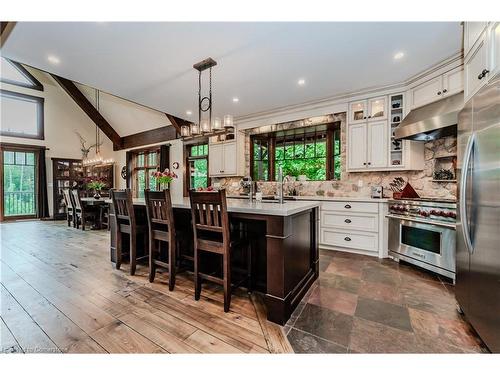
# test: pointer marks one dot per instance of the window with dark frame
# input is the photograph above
(16, 74)
(144, 163)
(197, 166)
(311, 151)
(21, 115)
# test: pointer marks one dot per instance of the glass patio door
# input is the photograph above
(19, 183)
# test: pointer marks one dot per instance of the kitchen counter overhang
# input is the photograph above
(284, 240)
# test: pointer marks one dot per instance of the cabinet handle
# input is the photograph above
(369, 163)
(483, 74)
(445, 91)
(369, 116)
(347, 206)
(364, 118)
(439, 92)
(348, 221)
(364, 163)
(347, 238)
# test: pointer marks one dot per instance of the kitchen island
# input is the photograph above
(284, 244)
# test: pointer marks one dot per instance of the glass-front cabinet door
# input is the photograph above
(377, 109)
(358, 112)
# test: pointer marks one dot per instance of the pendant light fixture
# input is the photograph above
(206, 126)
(97, 160)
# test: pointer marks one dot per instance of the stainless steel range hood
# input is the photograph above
(432, 121)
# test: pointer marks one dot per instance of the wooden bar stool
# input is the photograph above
(212, 234)
(161, 229)
(82, 213)
(126, 224)
(70, 209)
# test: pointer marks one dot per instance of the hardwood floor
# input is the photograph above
(60, 293)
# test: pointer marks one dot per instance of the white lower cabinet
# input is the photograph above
(354, 226)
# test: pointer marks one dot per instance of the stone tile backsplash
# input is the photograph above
(348, 185)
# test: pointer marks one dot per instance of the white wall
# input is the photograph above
(61, 117)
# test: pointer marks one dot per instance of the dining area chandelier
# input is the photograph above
(207, 125)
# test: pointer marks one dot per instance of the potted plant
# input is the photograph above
(96, 184)
(164, 178)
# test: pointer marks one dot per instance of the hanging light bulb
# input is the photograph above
(205, 126)
(216, 124)
(228, 121)
(185, 131)
(195, 129)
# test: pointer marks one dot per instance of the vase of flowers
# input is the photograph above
(164, 178)
(96, 184)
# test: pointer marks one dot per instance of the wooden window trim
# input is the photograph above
(331, 128)
(187, 158)
(134, 168)
(35, 83)
(40, 115)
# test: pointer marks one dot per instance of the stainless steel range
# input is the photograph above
(422, 232)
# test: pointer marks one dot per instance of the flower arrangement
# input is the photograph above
(96, 184)
(164, 178)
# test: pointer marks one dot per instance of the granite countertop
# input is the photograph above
(330, 199)
(244, 206)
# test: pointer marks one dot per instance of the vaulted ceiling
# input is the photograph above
(258, 63)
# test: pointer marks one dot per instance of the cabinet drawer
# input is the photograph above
(354, 240)
(341, 220)
(347, 206)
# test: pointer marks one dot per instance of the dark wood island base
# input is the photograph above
(285, 249)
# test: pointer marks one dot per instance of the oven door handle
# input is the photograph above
(463, 194)
(422, 221)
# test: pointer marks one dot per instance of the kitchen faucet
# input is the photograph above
(248, 182)
(281, 182)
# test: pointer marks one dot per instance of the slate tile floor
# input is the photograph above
(362, 304)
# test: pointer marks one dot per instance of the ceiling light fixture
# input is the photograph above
(53, 59)
(399, 55)
(207, 126)
(301, 82)
(189, 113)
(236, 100)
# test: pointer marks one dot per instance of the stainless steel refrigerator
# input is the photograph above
(478, 224)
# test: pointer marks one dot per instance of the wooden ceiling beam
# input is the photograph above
(5, 30)
(74, 92)
(177, 122)
(163, 134)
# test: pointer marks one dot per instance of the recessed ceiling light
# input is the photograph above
(301, 82)
(53, 59)
(189, 113)
(399, 55)
(236, 100)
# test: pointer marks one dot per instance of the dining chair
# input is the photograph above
(161, 226)
(126, 224)
(70, 210)
(211, 230)
(82, 213)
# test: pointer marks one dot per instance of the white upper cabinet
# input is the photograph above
(476, 68)
(357, 146)
(358, 112)
(449, 83)
(426, 93)
(216, 159)
(494, 39)
(482, 55)
(453, 81)
(472, 32)
(377, 109)
(370, 141)
(377, 145)
(374, 109)
(226, 158)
